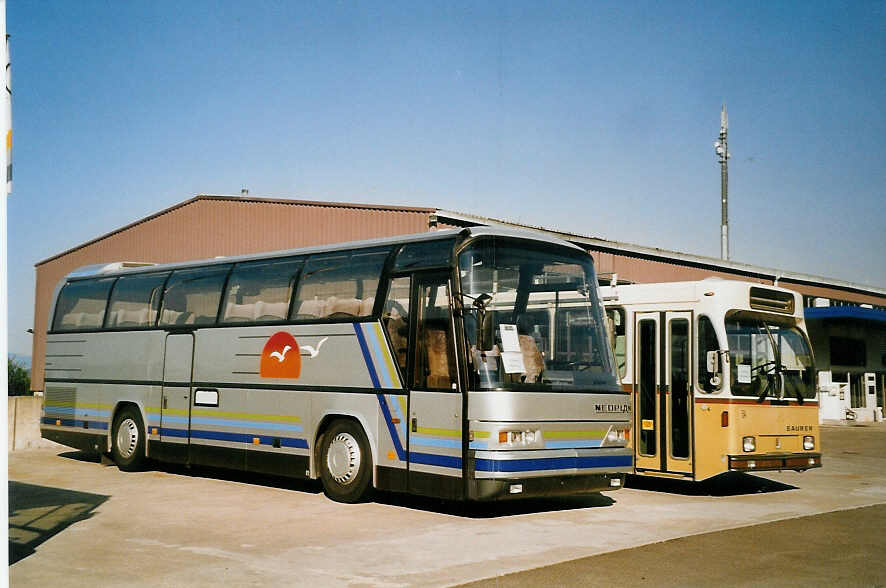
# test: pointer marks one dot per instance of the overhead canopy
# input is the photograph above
(846, 312)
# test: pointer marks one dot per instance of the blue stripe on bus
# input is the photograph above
(235, 437)
(245, 424)
(247, 438)
(431, 442)
(401, 454)
(75, 423)
(554, 463)
(366, 356)
(444, 461)
(572, 444)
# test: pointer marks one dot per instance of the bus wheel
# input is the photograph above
(345, 462)
(128, 442)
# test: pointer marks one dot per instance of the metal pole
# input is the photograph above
(722, 149)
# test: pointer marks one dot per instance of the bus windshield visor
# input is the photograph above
(532, 318)
(769, 360)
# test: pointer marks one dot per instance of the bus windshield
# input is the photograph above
(532, 319)
(769, 360)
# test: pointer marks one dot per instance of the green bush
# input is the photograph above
(19, 379)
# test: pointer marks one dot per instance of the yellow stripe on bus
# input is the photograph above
(224, 414)
(72, 404)
(439, 432)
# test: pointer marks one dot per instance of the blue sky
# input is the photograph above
(592, 117)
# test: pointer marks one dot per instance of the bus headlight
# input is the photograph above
(748, 444)
(615, 437)
(808, 442)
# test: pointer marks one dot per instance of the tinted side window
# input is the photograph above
(192, 296)
(707, 341)
(339, 285)
(260, 291)
(395, 317)
(135, 301)
(424, 255)
(82, 304)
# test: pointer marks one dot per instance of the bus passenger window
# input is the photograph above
(260, 291)
(339, 285)
(192, 296)
(395, 317)
(435, 356)
(81, 305)
(135, 301)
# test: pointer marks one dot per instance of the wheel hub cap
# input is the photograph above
(127, 438)
(343, 458)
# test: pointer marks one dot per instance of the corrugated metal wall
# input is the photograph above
(208, 226)
(646, 271)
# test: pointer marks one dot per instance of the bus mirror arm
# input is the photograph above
(713, 360)
(713, 365)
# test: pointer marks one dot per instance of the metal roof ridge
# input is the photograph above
(668, 253)
(210, 197)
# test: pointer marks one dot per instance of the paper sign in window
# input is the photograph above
(509, 339)
(513, 362)
(744, 374)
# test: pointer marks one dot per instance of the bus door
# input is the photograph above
(435, 403)
(664, 395)
(176, 400)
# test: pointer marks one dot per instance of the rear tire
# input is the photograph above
(345, 462)
(128, 440)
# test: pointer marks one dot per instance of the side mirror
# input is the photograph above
(485, 336)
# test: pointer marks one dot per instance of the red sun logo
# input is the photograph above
(281, 357)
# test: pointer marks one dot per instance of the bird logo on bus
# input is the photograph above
(279, 358)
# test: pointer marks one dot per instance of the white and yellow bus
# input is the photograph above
(721, 374)
(368, 365)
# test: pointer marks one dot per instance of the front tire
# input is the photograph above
(128, 440)
(345, 462)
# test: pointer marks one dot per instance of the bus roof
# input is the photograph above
(129, 267)
(690, 291)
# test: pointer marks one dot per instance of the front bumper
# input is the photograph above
(487, 489)
(539, 473)
(766, 462)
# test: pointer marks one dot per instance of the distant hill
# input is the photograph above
(22, 360)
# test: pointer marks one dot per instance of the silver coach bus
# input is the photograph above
(440, 364)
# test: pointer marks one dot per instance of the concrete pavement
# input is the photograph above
(94, 525)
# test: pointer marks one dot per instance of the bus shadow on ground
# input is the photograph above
(475, 510)
(489, 510)
(726, 484)
(81, 456)
(37, 513)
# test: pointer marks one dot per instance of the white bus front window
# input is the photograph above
(769, 360)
